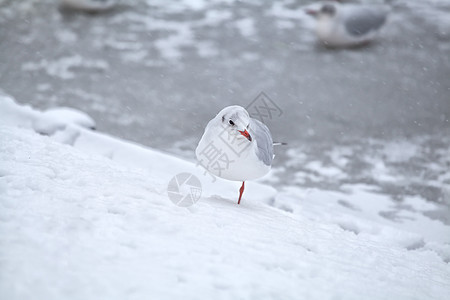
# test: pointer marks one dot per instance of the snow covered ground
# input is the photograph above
(359, 202)
(84, 215)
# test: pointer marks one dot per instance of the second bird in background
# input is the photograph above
(348, 25)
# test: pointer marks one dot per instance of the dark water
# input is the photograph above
(155, 73)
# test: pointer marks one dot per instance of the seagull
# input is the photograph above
(89, 5)
(236, 147)
(346, 25)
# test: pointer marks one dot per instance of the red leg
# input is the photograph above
(241, 191)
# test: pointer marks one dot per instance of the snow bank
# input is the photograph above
(70, 126)
(47, 122)
(93, 221)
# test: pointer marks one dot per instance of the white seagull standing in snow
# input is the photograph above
(236, 147)
(346, 25)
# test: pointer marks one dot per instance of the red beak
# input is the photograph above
(311, 12)
(246, 134)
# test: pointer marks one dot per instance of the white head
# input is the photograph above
(235, 120)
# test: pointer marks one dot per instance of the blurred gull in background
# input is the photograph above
(347, 25)
(89, 5)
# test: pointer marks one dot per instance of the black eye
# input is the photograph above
(328, 9)
(231, 123)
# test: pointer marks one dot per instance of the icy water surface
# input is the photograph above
(156, 71)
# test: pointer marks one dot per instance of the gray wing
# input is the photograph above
(364, 20)
(263, 139)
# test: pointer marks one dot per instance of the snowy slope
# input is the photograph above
(75, 224)
(72, 127)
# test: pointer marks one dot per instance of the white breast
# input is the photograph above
(228, 156)
(331, 32)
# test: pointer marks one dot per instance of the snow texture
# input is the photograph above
(86, 216)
